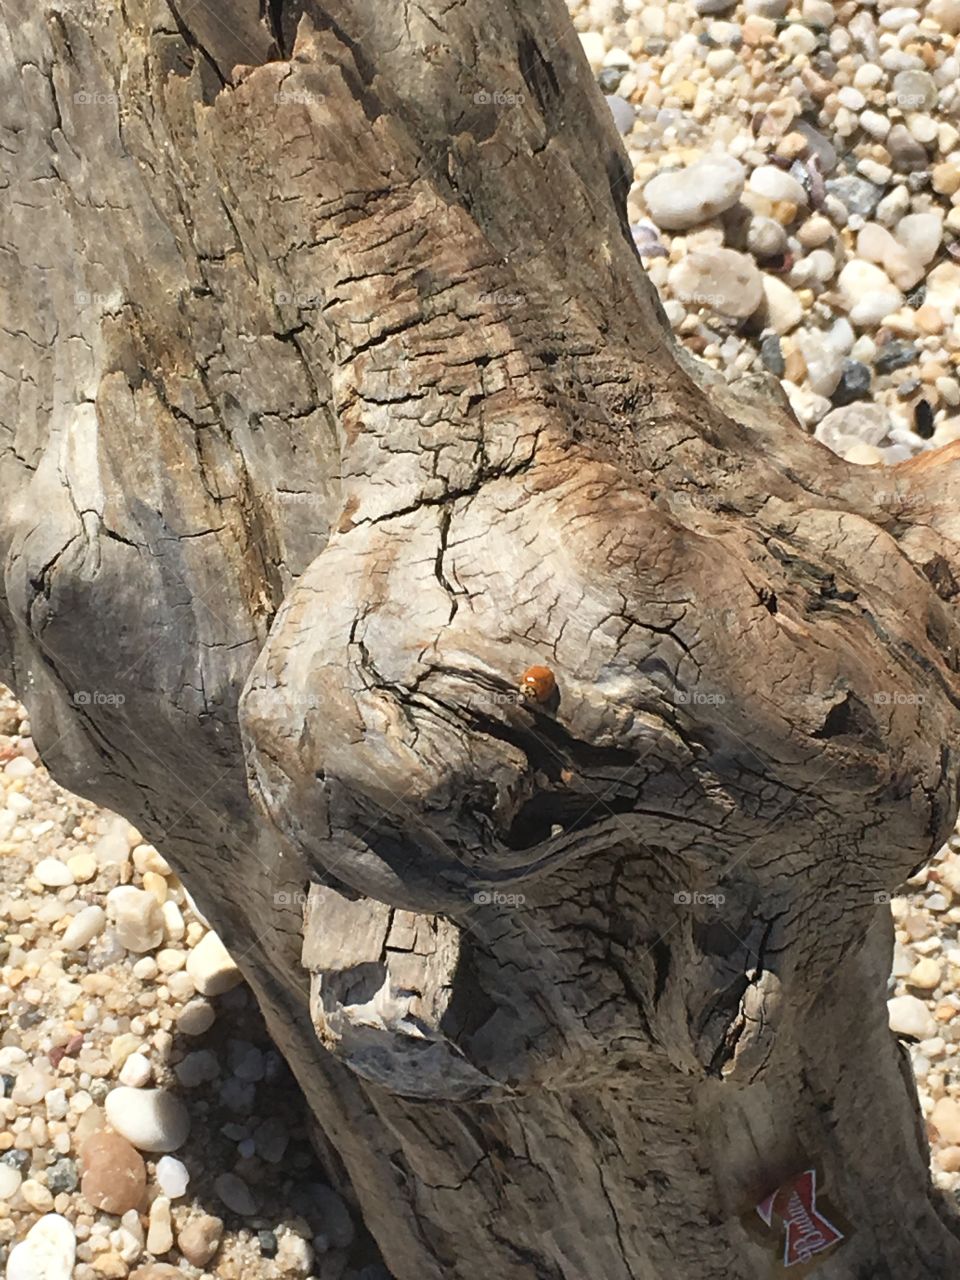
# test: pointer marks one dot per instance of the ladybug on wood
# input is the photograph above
(538, 684)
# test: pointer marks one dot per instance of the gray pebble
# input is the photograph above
(62, 1176)
(906, 153)
(854, 383)
(856, 194)
(771, 355)
(894, 355)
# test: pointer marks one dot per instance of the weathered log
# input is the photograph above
(334, 397)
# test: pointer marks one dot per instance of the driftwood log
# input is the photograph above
(334, 397)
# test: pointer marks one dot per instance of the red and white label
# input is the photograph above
(807, 1231)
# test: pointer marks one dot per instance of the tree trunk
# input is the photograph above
(334, 398)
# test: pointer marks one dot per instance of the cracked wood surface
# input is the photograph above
(332, 398)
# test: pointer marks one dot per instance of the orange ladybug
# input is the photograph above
(538, 684)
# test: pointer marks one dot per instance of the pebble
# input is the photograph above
(86, 925)
(195, 1018)
(235, 1194)
(10, 1180)
(151, 1119)
(842, 426)
(894, 355)
(136, 917)
(907, 155)
(160, 1227)
(136, 1071)
(867, 292)
(775, 184)
(172, 1177)
(684, 198)
(52, 873)
(854, 384)
(199, 1240)
(211, 967)
(857, 195)
(909, 1016)
(113, 1174)
(47, 1253)
(718, 280)
(766, 238)
(926, 974)
(945, 1117)
(624, 114)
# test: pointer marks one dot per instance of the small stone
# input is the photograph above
(19, 767)
(113, 1175)
(915, 91)
(920, 234)
(268, 1244)
(48, 1251)
(857, 195)
(776, 184)
(294, 1256)
(37, 1195)
(909, 1016)
(172, 1177)
(945, 178)
(10, 1180)
(680, 199)
(719, 280)
(594, 46)
(52, 873)
(235, 1194)
(895, 355)
(160, 1228)
(815, 232)
(196, 1018)
(158, 1271)
(197, 1068)
(948, 1158)
(766, 238)
(62, 1176)
(945, 1116)
(795, 40)
(83, 867)
(200, 1239)
(842, 426)
(151, 1119)
(83, 928)
(136, 1071)
(136, 917)
(925, 974)
(868, 292)
(110, 1265)
(854, 383)
(906, 153)
(210, 966)
(771, 355)
(333, 1213)
(31, 1085)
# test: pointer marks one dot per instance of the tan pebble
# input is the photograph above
(945, 178)
(83, 867)
(794, 367)
(945, 1011)
(785, 212)
(113, 1175)
(928, 319)
(949, 1159)
(37, 1195)
(925, 974)
(154, 883)
(110, 1265)
(200, 1239)
(945, 1118)
(792, 146)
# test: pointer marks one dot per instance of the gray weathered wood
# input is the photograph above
(333, 397)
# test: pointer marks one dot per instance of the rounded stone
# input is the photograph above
(151, 1119)
(48, 1251)
(200, 1239)
(684, 198)
(113, 1174)
(719, 280)
(137, 918)
(211, 966)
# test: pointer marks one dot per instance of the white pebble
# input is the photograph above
(684, 198)
(136, 1071)
(53, 874)
(83, 928)
(172, 1177)
(136, 916)
(909, 1016)
(150, 1119)
(211, 967)
(775, 184)
(47, 1253)
(10, 1180)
